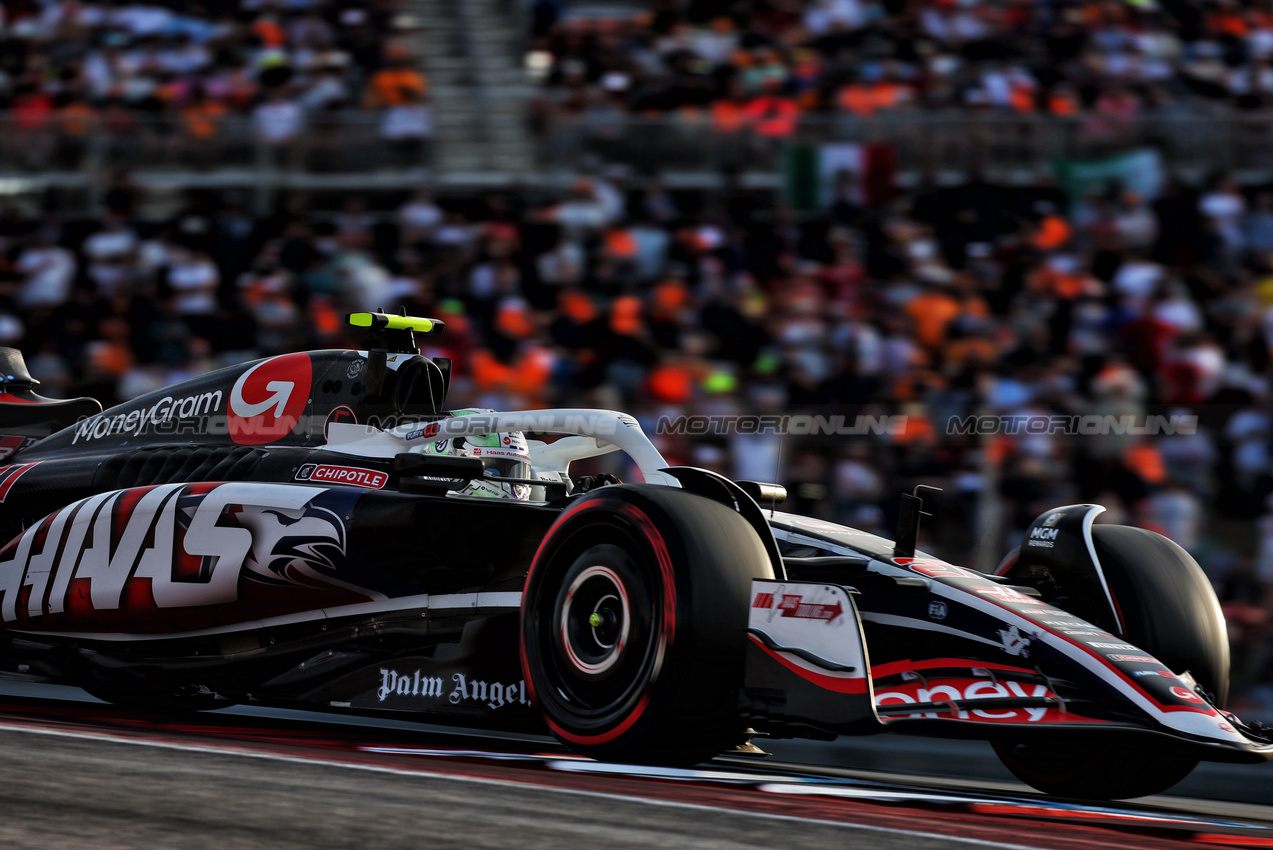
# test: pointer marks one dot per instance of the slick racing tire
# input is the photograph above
(1168, 608)
(634, 621)
(1092, 770)
(1166, 603)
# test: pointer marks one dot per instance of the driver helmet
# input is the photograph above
(503, 456)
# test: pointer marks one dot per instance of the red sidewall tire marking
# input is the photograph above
(534, 564)
(667, 576)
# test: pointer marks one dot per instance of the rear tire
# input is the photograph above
(1168, 608)
(633, 625)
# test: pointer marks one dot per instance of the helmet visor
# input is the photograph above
(506, 467)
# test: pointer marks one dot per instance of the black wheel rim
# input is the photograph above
(601, 639)
(595, 621)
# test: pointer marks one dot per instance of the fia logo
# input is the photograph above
(937, 609)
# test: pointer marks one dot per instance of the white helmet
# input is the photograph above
(502, 455)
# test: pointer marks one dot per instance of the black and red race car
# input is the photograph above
(299, 531)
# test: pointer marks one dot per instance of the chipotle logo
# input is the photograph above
(331, 474)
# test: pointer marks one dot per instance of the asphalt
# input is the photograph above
(904, 758)
(58, 789)
(70, 793)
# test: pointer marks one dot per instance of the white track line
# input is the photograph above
(476, 780)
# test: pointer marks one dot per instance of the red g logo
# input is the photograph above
(267, 400)
(1185, 694)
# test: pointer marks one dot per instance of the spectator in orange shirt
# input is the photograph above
(396, 83)
(201, 117)
(729, 113)
(1021, 97)
(931, 311)
(917, 427)
(270, 31)
(1053, 231)
(200, 124)
(1144, 460)
(977, 352)
(888, 93)
(1063, 101)
(857, 98)
(772, 115)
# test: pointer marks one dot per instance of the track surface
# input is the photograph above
(74, 773)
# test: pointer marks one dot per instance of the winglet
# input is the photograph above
(387, 322)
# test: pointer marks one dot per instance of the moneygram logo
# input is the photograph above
(167, 415)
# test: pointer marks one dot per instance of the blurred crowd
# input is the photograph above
(937, 302)
(73, 69)
(765, 63)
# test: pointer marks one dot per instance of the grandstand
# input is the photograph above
(261, 96)
(332, 95)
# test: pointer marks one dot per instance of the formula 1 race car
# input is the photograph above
(313, 530)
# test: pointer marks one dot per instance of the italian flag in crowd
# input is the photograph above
(810, 172)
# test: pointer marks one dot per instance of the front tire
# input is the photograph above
(634, 619)
(1167, 603)
(1168, 608)
(1094, 770)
